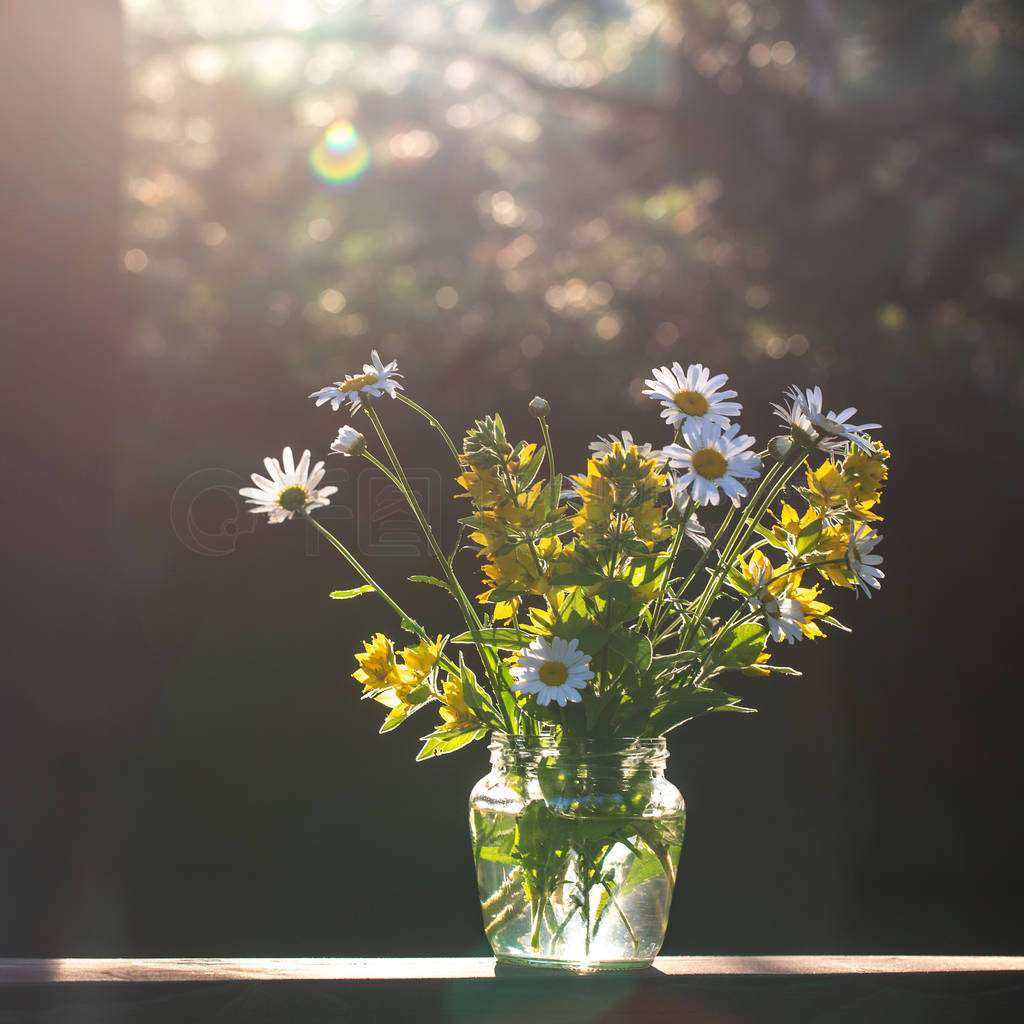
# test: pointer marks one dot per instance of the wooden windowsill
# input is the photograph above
(41, 971)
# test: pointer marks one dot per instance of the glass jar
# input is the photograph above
(576, 844)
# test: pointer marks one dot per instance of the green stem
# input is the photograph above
(548, 448)
(763, 497)
(401, 481)
(432, 420)
(673, 551)
(603, 676)
(803, 566)
(473, 623)
(407, 619)
(702, 561)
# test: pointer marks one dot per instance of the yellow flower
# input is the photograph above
(649, 524)
(761, 574)
(828, 489)
(527, 570)
(455, 713)
(807, 598)
(788, 608)
(596, 495)
(518, 465)
(791, 524)
(835, 541)
(484, 486)
(544, 620)
(377, 667)
(491, 533)
(512, 571)
(522, 511)
(419, 661)
(865, 476)
(626, 482)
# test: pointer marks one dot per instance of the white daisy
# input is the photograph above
(349, 442)
(802, 430)
(712, 459)
(289, 489)
(553, 670)
(784, 616)
(807, 408)
(605, 445)
(862, 563)
(693, 529)
(692, 396)
(375, 380)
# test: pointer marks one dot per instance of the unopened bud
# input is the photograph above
(349, 442)
(539, 407)
(779, 447)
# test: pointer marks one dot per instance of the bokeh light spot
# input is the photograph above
(331, 300)
(341, 156)
(135, 260)
(446, 297)
(531, 346)
(666, 334)
(608, 326)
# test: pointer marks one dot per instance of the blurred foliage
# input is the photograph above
(698, 177)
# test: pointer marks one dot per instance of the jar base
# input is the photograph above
(573, 966)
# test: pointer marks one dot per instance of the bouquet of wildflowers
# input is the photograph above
(616, 597)
(614, 600)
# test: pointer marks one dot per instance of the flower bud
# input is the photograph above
(779, 447)
(349, 442)
(539, 407)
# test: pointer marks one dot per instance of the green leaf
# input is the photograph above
(438, 743)
(475, 523)
(555, 529)
(830, 620)
(667, 662)
(531, 469)
(502, 639)
(420, 694)
(680, 706)
(419, 698)
(739, 647)
(477, 699)
(395, 718)
(770, 537)
(577, 579)
(634, 647)
(547, 500)
(344, 595)
(809, 537)
(433, 580)
(740, 582)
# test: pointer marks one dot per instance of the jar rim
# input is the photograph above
(580, 746)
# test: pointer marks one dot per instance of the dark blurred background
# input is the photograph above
(538, 197)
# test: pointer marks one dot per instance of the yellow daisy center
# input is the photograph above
(364, 380)
(553, 673)
(293, 497)
(693, 403)
(709, 463)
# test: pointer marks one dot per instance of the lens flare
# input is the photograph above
(341, 156)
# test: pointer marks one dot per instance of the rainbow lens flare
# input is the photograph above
(341, 156)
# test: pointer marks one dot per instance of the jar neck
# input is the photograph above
(619, 752)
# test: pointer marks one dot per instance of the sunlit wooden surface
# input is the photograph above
(35, 971)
